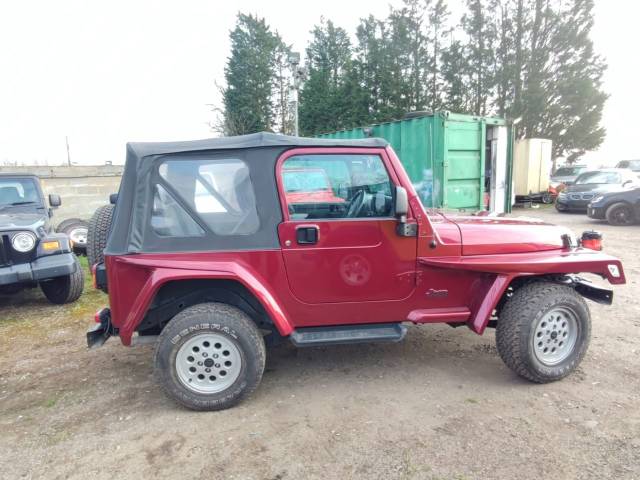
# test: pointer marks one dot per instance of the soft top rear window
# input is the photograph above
(219, 191)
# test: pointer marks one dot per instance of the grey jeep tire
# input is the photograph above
(99, 227)
(543, 331)
(76, 229)
(194, 348)
(66, 289)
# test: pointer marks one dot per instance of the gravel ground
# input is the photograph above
(440, 405)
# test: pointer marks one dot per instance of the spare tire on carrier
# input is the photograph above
(99, 227)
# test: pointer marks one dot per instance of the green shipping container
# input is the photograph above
(455, 161)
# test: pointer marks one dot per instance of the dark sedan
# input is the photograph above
(588, 185)
(617, 208)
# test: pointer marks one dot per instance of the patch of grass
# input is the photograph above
(51, 402)
(471, 400)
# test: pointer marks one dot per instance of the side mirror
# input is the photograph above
(113, 198)
(402, 203)
(54, 200)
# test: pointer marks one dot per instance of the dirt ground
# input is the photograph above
(440, 405)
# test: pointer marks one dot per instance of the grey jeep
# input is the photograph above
(31, 253)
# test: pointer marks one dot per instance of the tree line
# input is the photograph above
(533, 60)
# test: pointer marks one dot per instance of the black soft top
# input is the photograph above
(254, 140)
(131, 231)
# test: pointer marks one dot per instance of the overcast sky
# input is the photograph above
(104, 73)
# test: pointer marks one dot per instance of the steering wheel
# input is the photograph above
(356, 204)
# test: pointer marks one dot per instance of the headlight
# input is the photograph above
(23, 242)
(562, 195)
(597, 198)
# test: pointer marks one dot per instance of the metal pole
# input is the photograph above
(295, 111)
(66, 139)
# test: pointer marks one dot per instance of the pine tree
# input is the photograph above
(481, 37)
(282, 84)
(249, 77)
(437, 33)
(328, 60)
(456, 77)
(575, 99)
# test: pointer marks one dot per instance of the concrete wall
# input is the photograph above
(82, 189)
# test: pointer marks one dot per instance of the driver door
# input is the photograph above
(338, 238)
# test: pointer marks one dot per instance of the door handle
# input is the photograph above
(307, 235)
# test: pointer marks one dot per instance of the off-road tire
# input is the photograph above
(99, 227)
(220, 319)
(517, 322)
(620, 214)
(64, 289)
(67, 226)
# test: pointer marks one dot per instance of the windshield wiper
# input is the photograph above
(22, 203)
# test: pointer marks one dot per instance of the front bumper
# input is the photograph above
(565, 205)
(43, 268)
(599, 213)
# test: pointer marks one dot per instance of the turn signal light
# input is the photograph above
(592, 240)
(49, 246)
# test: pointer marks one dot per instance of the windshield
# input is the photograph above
(598, 177)
(568, 171)
(632, 164)
(18, 191)
(305, 181)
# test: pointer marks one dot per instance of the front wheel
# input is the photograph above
(620, 214)
(543, 331)
(64, 289)
(210, 357)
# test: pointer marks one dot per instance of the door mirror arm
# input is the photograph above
(401, 208)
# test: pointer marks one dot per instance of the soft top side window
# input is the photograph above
(218, 190)
(336, 186)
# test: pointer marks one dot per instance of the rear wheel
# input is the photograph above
(620, 214)
(99, 227)
(547, 198)
(210, 357)
(543, 331)
(64, 289)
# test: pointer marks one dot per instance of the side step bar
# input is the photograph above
(346, 334)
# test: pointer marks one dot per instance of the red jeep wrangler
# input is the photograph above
(211, 254)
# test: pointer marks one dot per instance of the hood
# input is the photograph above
(593, 187)
(496, 235)
(16, 221)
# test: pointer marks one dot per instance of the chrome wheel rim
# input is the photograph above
(208, 363)
(555, 336)
(79, 235)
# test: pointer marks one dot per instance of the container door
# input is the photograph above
(499, 174)
(464, 171)
(339, 239)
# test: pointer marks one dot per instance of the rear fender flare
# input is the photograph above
(160, 276)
